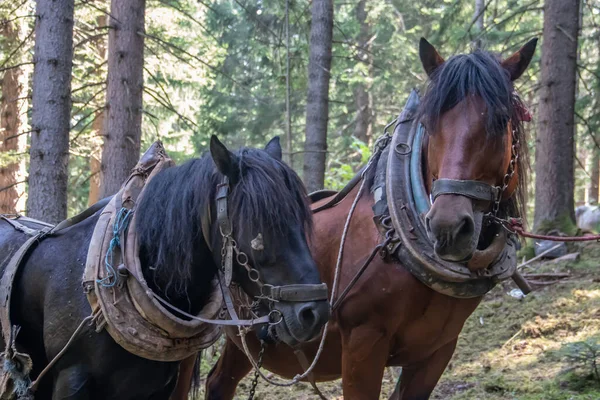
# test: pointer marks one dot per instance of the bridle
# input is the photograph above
(230, 251)
(478, 190)
(267, 293)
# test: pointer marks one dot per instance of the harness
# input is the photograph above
(16, 366)
(401, 201)
(121, 301)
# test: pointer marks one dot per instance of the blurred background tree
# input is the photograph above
(220, 66)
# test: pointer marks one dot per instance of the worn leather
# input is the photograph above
(130, 313)
(416, 250)
(473, 189)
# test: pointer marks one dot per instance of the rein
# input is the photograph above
(515, 225)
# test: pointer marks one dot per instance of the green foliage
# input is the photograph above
(340, 172)
(218, 67)
(584, 355)
(563, 224)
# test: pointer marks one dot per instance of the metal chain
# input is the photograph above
(509, 174)
(380, 144)
(256, 373)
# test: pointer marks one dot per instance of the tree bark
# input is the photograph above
(595, 176)
(95, 164)
(362, 99)
(554, 184)
(97, 126)
(51, 100)
(317, 104)
(123, 118)
(594, 189)
(478, 16)
(12, 90)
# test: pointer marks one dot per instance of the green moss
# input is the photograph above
(563, 223)
(527, 250)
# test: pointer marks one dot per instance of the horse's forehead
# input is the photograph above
(469, 115)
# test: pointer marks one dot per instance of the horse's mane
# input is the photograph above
(480, 74)
(268, 198)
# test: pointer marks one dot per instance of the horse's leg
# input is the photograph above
(224, 377)
(364, 355)
(72, 383)
(184, 379)
(418, 381)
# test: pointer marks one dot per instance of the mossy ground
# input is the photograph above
(509, 348)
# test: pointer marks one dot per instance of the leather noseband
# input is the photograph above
(473, 189)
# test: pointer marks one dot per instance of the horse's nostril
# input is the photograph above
(307, 316)
(466, 228)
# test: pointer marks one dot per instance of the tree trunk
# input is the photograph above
(478, 21)
(49, 151)
(362, 129)
(95, 164)
(97, 126)
(594, 189)
(10, 190)
(595, 176)
(123, 118)
(317, 103)
(554, 184)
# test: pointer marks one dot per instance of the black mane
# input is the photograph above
(480, 74)
(268, 198)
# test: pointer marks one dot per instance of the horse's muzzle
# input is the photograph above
(301, 321)
(453, 227)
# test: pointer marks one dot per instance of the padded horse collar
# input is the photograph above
(408, 201)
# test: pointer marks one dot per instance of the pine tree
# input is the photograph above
(125, 87)
(317, 102)
(554, 185)
(51, 101)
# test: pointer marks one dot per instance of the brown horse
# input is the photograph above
(389, 317)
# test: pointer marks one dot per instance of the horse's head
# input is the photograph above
(473, 119)
(270, 218)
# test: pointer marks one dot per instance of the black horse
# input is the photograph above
(267, 197)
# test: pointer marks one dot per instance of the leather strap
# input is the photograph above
(472, 189)
(303, 360)
(234, 321)
(14, 221)
(82, 216)
(296, 293)
(222, 212)
(226, 229)
(6, 284)
(342, 193)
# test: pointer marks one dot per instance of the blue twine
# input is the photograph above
(120, 226)
(21, 381)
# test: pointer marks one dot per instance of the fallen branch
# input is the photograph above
(512, 338)
(548, 275)
(539, 256)
(543, 283)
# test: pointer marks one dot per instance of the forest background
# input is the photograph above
(240, 69)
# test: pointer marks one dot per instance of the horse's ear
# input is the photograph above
(225, 160)
(518, 62)
(273, 148)
(430, 58)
